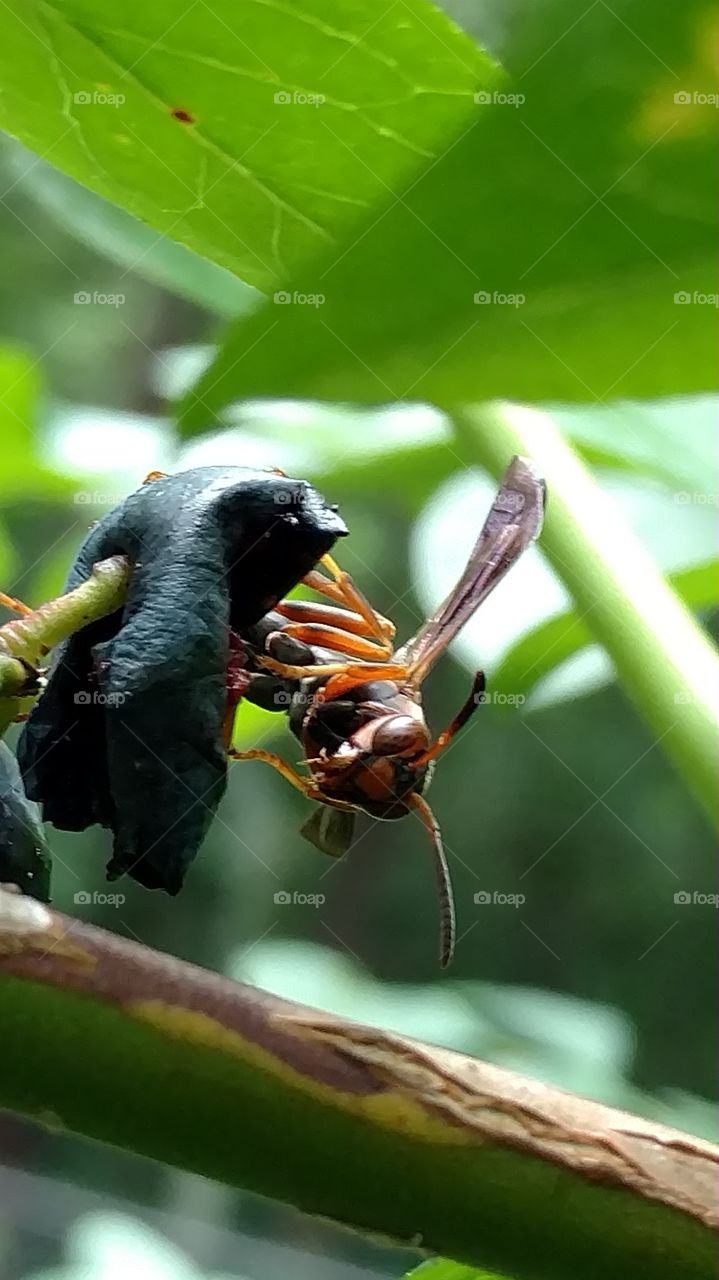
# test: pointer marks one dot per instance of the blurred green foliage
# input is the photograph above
(398, 199)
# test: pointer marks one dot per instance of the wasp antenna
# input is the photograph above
(447, 917)
(460, 720)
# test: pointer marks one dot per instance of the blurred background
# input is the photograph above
(573, 844)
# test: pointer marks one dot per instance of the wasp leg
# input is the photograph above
(293, 671)
(341, 588)
(312, 633)
(304, 785)
(466, 710)
(356, 673)
(17, 606)
(346, 675)
(328, 615)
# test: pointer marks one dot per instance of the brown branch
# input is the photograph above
(123, 1044)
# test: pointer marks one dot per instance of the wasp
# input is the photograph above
(354, 701)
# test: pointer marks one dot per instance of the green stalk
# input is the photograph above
(664, 660)
(107, 1038)
(23, 640)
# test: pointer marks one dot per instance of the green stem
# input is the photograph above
(665, 661)
(26, 638)
(429, 1147)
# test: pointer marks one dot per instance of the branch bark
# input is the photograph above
(387, 1134)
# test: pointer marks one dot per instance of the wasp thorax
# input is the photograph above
(398, 735)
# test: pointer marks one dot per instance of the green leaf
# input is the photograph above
(552, 642)
(252, 133)
(444, 1269)
(560, 248)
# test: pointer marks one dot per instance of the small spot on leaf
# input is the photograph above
(185, 117)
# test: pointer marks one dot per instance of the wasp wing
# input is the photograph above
(513, 522)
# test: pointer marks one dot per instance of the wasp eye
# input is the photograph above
(397, 735)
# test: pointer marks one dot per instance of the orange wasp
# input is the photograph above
(355, 702)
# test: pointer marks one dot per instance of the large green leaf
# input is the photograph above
(251, 132)
(593, 200)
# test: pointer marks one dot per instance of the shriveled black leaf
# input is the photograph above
(24, 858)
(128, 733)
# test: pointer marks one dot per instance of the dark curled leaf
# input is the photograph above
(24, 859)
(129, 730)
